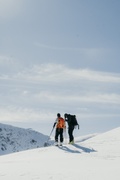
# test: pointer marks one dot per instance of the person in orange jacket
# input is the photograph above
(60, 126)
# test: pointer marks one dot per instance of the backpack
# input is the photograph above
(71, 119)
(60, 123)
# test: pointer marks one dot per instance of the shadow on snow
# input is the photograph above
(65, 148)
(79, 148)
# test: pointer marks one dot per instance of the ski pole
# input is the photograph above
(46, 143)
(51, 132)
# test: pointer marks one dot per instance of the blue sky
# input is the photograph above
(60, 56)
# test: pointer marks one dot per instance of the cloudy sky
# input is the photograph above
(60, 56)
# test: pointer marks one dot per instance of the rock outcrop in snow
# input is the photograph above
(14, 139)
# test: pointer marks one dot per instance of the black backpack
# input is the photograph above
(71, 119)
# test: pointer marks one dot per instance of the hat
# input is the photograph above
(58, 115)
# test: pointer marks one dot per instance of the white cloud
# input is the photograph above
(77, 99)
(6, 60)
(14, 114)
(91, 52)
(38, 93)
(60, 73)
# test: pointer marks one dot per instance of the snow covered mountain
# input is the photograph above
(90, 158)
(14, 139)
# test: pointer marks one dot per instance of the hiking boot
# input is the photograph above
(56, 143)
(60, 144)
(72, 142)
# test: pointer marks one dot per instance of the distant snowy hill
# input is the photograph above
(93, 157)
(14, 139)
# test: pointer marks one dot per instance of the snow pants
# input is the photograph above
(59, 132)
(70, 132)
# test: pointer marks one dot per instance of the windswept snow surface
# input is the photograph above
(94, 158)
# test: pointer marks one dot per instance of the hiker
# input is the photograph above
(72, 122)
(60, 125)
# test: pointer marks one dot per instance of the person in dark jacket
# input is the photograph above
(72, 122)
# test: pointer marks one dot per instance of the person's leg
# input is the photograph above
(70, 132)
(56, 135)
(72, 137)
(61, 135)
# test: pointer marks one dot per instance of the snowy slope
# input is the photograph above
(107, 143)
(96, 158)
(14, 139)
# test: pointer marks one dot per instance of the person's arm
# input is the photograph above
(55, 122)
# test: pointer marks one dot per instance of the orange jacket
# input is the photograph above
(60, 123)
